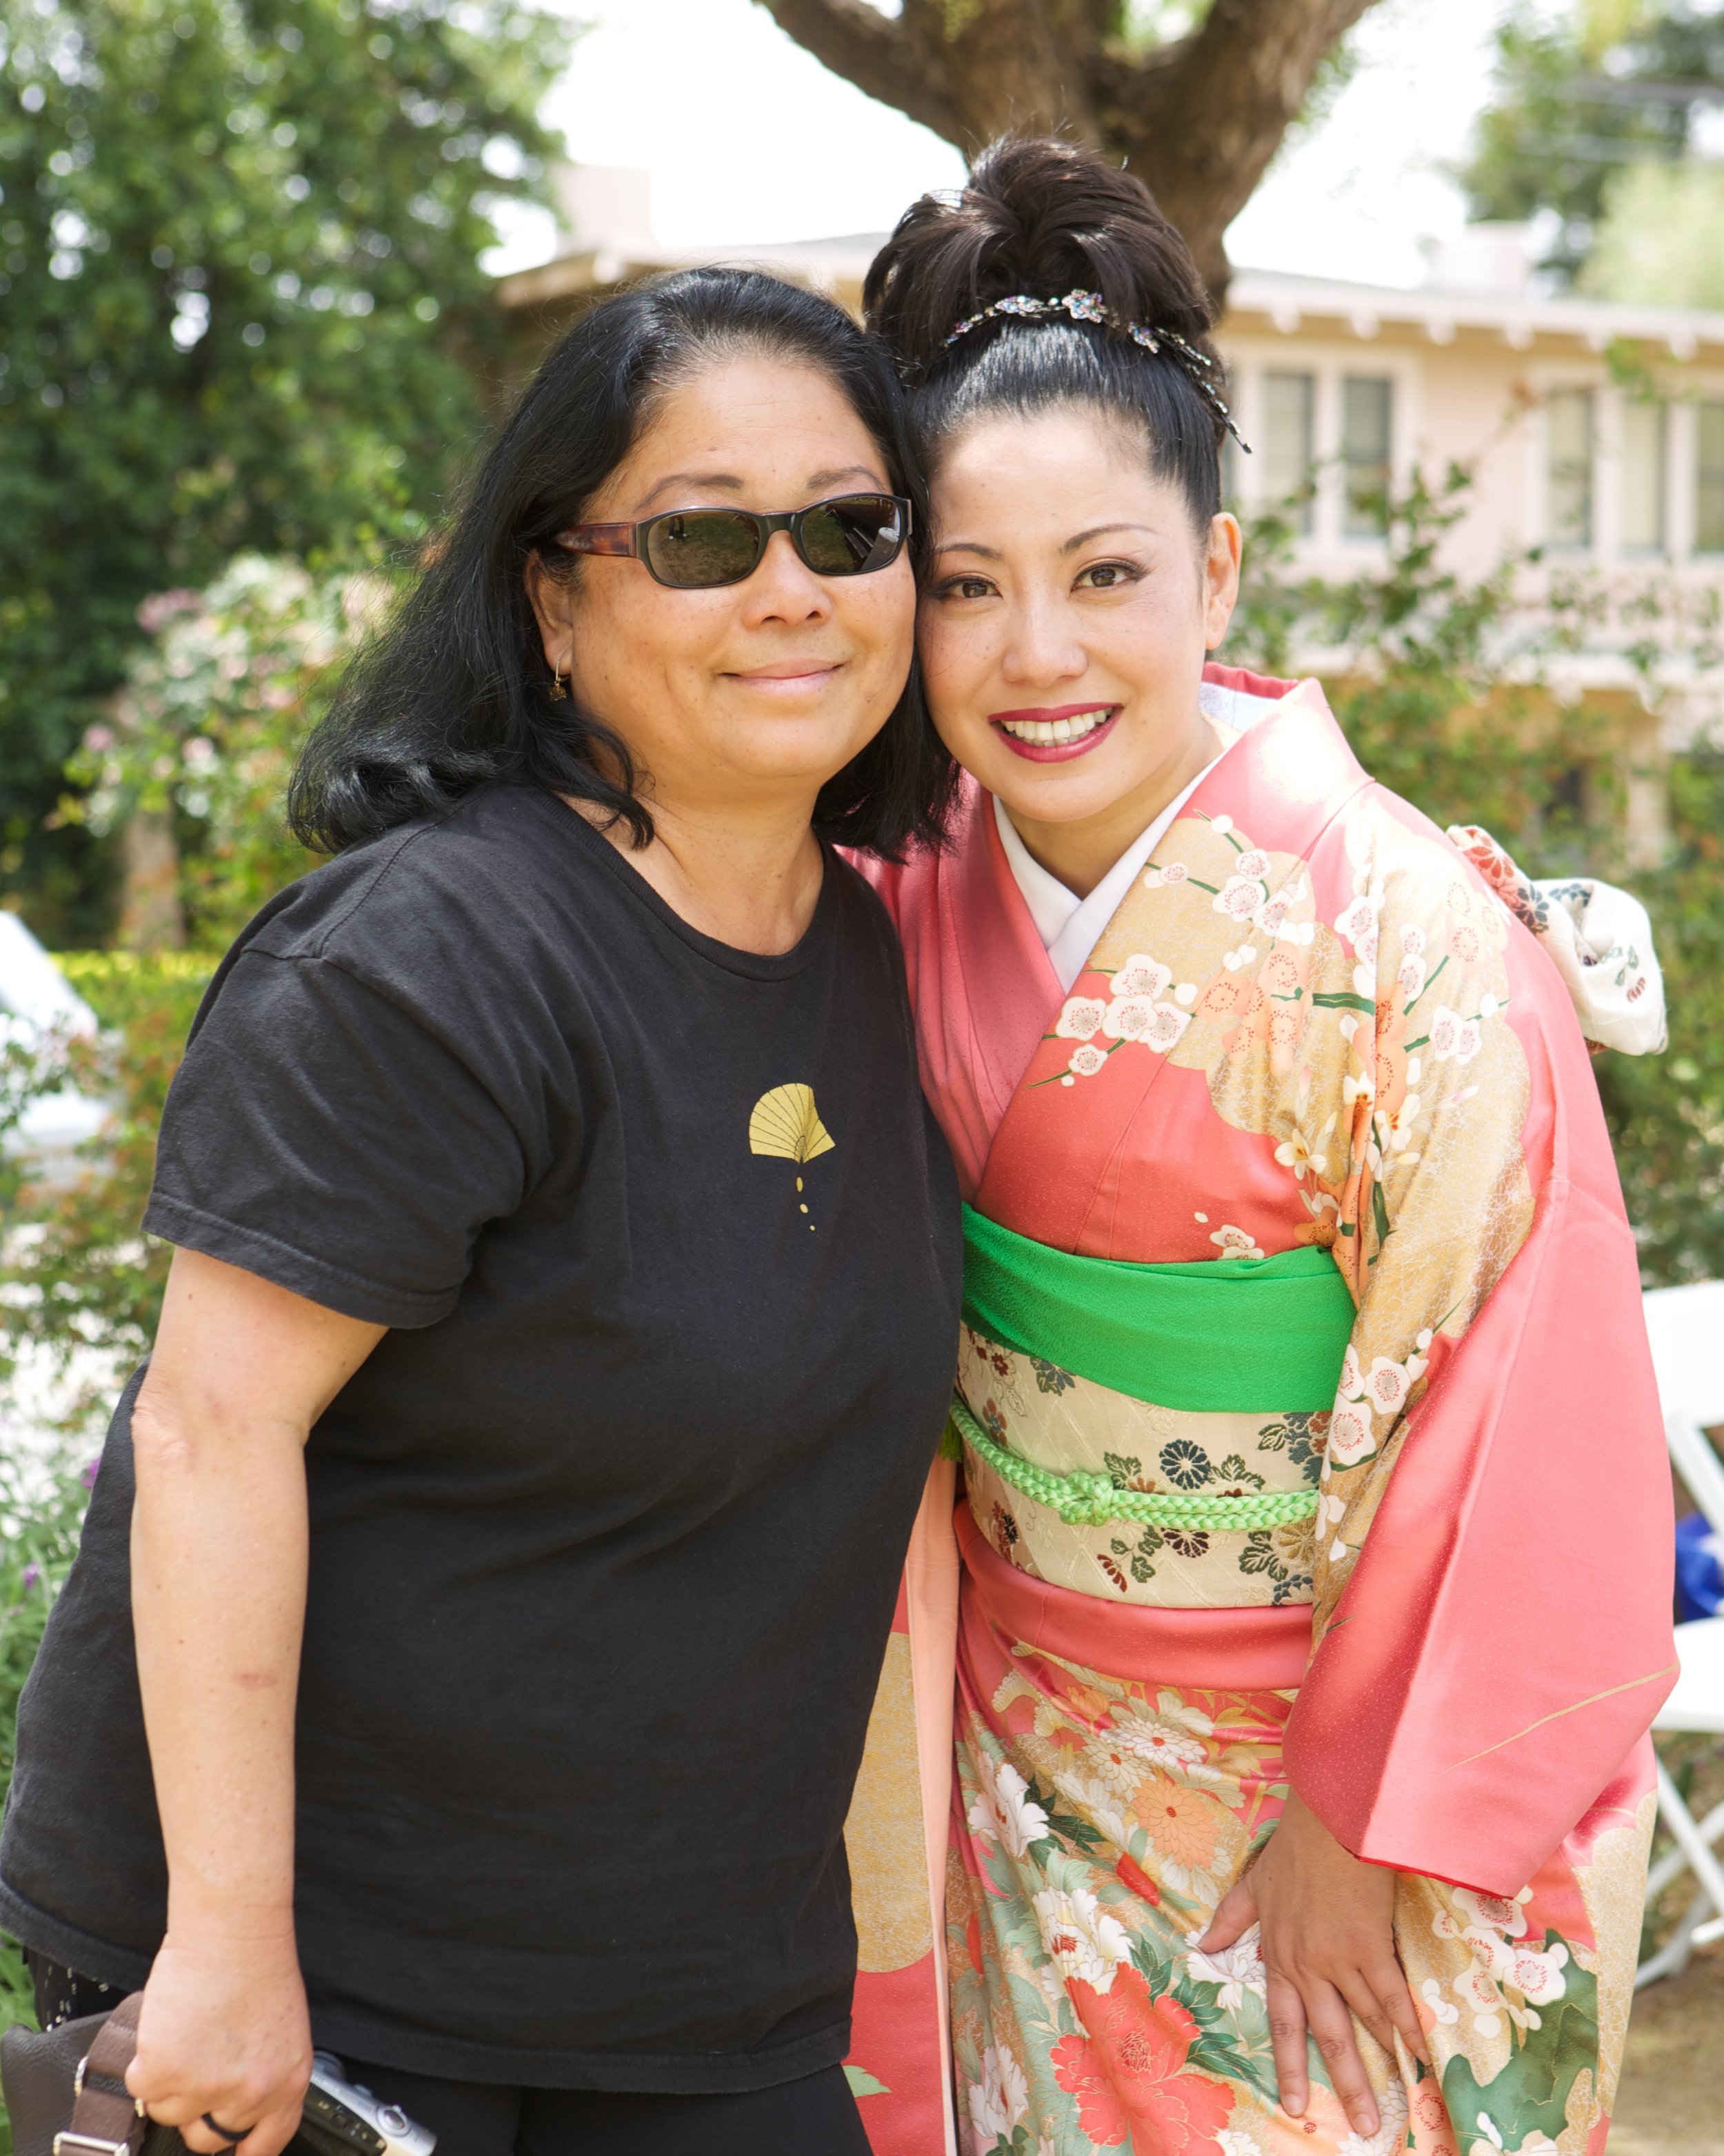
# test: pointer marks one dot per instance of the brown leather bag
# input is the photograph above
(66, 2092)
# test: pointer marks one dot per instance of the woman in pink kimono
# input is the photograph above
(1311, 1574)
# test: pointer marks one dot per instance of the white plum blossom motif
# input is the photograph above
(1221, 826)
(1166, 1026)
(1082, 1940)
(1431, 1992)
(1128, 1019)
(1538, 1977)
(999, 2100)
(1141, 976)
(1454, 1036)
(1081, 1017)
(1253, 863)
(1411, 976)
(1240, 897)
(1357, 923)
(1495, 1910)
(1386, 1385)
(1352, 1383)
(1175, 872)
(1238, 1968)
(1087, 1060)
(1475, 1988)
(1235, 1242)
(1351, 1436)
(1002, 1811)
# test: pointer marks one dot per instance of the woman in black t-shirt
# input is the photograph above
(561, 1325)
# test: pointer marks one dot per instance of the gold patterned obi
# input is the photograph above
(1104, 1410)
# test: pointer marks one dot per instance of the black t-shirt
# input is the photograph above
(606, 1534)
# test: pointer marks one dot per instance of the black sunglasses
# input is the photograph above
(697, 550)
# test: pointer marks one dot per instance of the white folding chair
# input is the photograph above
(1685, 1326)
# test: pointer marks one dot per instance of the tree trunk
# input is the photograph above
(150, 915)
(1198, 118)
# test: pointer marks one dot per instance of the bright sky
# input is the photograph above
(749, 139)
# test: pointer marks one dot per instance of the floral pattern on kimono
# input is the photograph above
(1104, 1817)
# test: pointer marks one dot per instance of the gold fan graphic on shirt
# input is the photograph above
(785, 1125)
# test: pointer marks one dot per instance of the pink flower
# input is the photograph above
(161, 607)
(1129, 2073)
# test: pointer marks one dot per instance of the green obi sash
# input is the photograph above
(1230, 1336)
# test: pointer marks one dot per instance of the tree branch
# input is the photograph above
(1200, 119)
(869, 49)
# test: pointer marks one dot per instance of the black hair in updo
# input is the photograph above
(1044, 217)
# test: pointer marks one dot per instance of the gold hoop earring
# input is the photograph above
(559, 687)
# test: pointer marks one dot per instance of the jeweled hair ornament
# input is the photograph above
(1092, 307)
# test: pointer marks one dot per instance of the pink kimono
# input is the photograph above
(1438, 1605)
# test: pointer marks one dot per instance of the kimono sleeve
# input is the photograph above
(1494, 1541)
(328, 1137)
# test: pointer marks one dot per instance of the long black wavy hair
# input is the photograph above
(455, 694)
(1043, 218)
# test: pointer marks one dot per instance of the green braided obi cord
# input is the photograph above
(1193, 1390)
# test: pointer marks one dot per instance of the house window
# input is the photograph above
(1367, 413)
(1568, 420)
(1287, 402)
(1643, 468)
(1709, 479)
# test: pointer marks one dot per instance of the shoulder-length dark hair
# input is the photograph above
(455, 692)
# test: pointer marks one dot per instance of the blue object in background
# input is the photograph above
(1700, 1569)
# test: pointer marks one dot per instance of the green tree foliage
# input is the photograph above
(242, 309)
(1666, 1113)
(1582, 98)
(1658, 244)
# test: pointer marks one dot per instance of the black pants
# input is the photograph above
(814, 2116)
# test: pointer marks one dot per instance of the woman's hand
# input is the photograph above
(224, 2031)
(1328, 1954)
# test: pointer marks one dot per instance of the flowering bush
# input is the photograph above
(211, 717)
